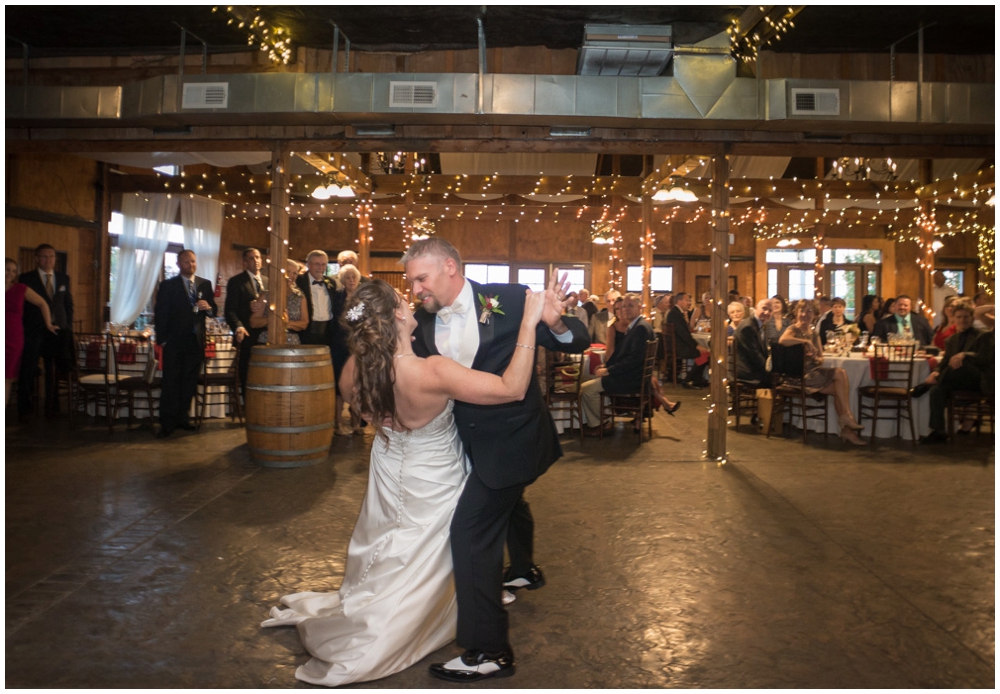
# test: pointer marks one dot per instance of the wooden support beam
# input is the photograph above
(974, 186)
(277, 289)
(927, 231)
(717, 413)
(336, 162)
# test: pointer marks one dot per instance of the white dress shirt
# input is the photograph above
(320, 301)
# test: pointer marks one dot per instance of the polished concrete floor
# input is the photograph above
(136, 562)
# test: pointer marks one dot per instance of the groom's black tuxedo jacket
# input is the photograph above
(514, 443)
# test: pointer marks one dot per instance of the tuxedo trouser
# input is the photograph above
(37, 345)
(181, 367)
(966, 377)
(478, 531)
(521, 538)
(246, 347)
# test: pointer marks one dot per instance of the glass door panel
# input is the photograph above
(844, 285)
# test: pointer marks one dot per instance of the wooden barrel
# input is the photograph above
(290, 400)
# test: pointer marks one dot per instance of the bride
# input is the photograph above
(397, 600)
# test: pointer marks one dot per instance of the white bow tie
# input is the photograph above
(446, 312)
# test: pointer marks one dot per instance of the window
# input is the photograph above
(174, 246)
(850, 274)
(487, 274)
(956, 279)
(661, 279)
(533, 277)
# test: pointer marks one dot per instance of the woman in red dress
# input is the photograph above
(17, 293)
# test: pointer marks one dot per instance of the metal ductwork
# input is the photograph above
(625, 51)
(703, 92)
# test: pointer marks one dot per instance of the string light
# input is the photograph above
(271, 39)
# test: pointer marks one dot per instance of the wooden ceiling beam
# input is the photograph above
(336, 162)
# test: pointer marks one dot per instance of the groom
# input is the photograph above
(509, 445)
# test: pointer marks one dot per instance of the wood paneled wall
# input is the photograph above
(65, 185)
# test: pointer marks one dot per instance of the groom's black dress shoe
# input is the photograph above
(918, 390)
(473, 666)
(533, 580)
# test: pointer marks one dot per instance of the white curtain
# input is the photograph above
(143, 241)
(202, 222)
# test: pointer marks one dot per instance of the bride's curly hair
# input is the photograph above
(370, 321)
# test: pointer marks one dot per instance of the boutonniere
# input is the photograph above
(489, 304)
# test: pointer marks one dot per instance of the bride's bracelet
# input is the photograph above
(518, 344)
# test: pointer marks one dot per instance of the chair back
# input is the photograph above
(788, 361)
(563, 375)
(893, 365)
(130, 356)
(92, 354)
(649, 365)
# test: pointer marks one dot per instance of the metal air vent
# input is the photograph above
(815, 102)
(413, 94)
(205, 95)
(625, 51)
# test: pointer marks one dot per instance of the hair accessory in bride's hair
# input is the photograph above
(354, 313)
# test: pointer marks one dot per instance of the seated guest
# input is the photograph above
(687, 347)
(835, 320)
(617, 326)
(599, 321)
(967, 361)
(736, 312)
(702, 311)
(888, 308)
(904, 321)
(775, 326)
(751, 350)
(622, 372)
(819, 378)
(588, 304)
(825, 306)
(870, 305)
(947, 326)
(661, 305)
(574, 309)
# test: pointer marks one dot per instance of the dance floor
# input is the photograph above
(136, 562)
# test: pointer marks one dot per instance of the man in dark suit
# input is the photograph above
(325, 302)
(182, 304)
(623, 371)
(903, 320)
(241, 291)
(751, 350)
(687, 347)
(509, 445)
(38, 341)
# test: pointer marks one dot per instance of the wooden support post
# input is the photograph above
(277, 289)
(647, 242)
(717, 413)
(364, 238)
(927, 230)
(647, 252)
(819, 266)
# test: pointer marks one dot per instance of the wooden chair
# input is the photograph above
(638, 405)
(893, 373)
(93, 379)
(787, 371)
(563, 376)
(135, 370)
(672, 366)
(741, 393)
(219, 382)
(965, 404)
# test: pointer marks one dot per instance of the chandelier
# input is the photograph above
(395, 162)
(864, 169)
(333, 189)
(421, 228)
(603, 233)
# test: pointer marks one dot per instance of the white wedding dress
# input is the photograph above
(397, 600)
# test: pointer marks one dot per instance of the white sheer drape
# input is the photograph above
(146, 223)
(202, 222)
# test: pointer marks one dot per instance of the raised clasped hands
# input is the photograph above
(534, 305)
(556, 302)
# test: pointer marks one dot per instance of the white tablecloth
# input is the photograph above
(858, 368)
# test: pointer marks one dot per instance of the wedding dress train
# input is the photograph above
(397, 600)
